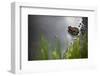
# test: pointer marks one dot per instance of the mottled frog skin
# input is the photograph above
(73, 30)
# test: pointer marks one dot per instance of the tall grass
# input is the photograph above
(73, 51)
(56, 52)
(79, 49)
(44, 47)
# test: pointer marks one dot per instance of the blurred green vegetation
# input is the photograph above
(56, 52)
(44, 47)
(73, 51)
(78, 49)
(84, 46)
